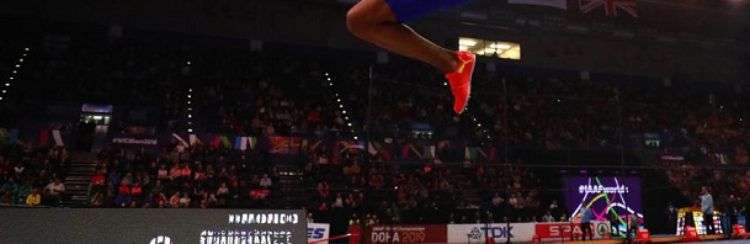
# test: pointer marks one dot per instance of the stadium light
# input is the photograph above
(344, 111)
(20, 60)
(188, 62)
(338, 99)
(15, 72)
(7, 84)
(356, 138)
(330, 84)
(5, 91)
(445, 83)
(326, 73)
(11, 78)
(190, 130)
(350, 124)
(188, 102)
(1, 98)
(479, 125)
(190, 116)
(189, 96)
(341, 106)
(347, 118)
(26, 49)
(18, 66)
(328, 79)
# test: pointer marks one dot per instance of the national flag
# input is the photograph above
(611, 7)
(240, 143)
(561, 4)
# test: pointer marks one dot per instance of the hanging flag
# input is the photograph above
(225, 141)
(561, 4)
(240, 143)
(58, 138)
(611, 7)
(182, 141)
(194, 140)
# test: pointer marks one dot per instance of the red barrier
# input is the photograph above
(739, 232)
(690, 234)
(643, 236)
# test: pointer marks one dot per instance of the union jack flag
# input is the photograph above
(611, 7)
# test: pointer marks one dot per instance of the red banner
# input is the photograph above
(285, 145)
(407, 234)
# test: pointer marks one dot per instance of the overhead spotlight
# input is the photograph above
(190, 130)
(189, 96)
(356, 138)
(337, 94)
(479, 125)
(326, 73)
(20, 60)
(11, 78)
(4, 91)
(15, 72)
(347, 118)
(188, 63)
(344, 112)
(190, 122)
(190, 116)
(349, 124)
(18, 66)
(190, 90)
(1, 98)
(27, 49)
(341, 106)
(328, 79)
(338, 99)
(330, 84)
(190, 109)
(188, 102)
(445, 83)
(23, 55)
(7, 84)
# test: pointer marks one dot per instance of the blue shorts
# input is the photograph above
(409, 10)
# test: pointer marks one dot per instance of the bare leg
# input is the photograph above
(373, 21)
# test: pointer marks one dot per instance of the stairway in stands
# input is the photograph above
(77, 182)
(291, 185)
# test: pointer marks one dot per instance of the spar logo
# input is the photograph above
(478, 233)
(316, 233)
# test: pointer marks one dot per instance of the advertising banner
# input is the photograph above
(610, 198)
(285, 145)
(564, 230)
(477, 233)
(317, 232)
(406, 234)
(205, 226)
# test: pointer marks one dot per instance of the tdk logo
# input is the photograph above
(161, 240)
(315, 233)
(478, 233)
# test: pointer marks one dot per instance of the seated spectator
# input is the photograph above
(162, 173)
(185, 200)
(174, 200)
(34, 198)
(265, 181)
(55, 192)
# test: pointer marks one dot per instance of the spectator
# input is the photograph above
(55, 192)
(34, 198)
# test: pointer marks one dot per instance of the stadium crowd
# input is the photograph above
(419, 164)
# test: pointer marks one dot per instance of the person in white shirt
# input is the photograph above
(265, 181)
(707, 207)
(55, 191)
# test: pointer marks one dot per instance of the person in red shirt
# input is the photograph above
(185, 171)
(124, 189)
(98, 181)
(136, 191)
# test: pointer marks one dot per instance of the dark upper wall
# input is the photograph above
(555, 42)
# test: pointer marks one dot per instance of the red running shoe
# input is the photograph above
(460, 80)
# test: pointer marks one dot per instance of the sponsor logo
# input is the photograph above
(478, 233)
(398, 234)
(597, 189)
(316, 233)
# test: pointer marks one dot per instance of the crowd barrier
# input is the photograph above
(478, 233)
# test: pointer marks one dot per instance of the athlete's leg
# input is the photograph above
(375, 22)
